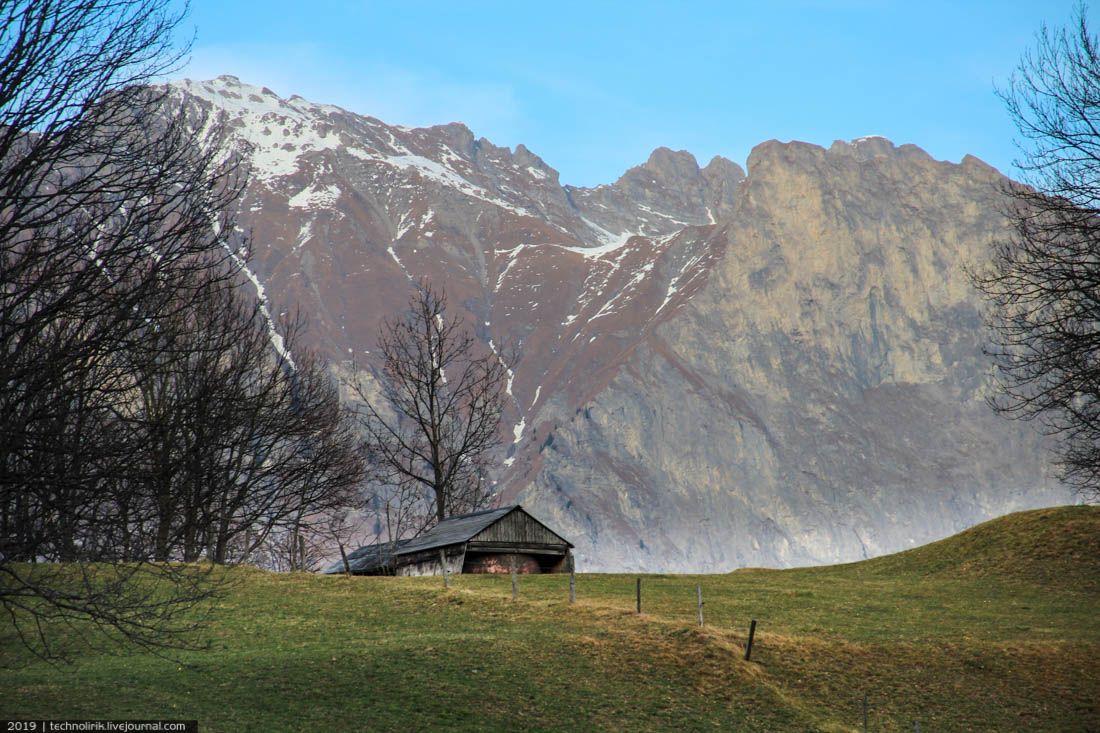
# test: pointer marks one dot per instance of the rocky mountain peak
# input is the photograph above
(526, 159)
(671, 165)
(458, 136)
(778, 154)
(977, 164)
(720, 168)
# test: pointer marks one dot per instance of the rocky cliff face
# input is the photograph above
(717, 369)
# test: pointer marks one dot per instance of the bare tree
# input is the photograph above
(146, 416)
(108, 199)
(238, 438)
(430, 441)
(293, 459)
(1044, 282)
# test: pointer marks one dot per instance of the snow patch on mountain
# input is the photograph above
(433, 171)
(675, 284)
(513, 256)
(610, 242)
(314, 197)
(277, 131)
(304, 234)
(518, 429)
(400, 264)
(638, 276)
(273, 334)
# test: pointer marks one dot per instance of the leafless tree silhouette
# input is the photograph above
(430, 435)
(105, 202)
(147, 419)
(1043, 285)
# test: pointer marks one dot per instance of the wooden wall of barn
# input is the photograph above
(427, 562)
(518, 528)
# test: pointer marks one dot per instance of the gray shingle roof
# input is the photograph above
(367, 558)
(454, 530)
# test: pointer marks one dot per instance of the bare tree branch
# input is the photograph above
(1043, 284)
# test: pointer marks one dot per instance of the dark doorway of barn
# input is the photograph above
(501, 562)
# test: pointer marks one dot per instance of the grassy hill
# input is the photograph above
(1058, 547)
(995, 629)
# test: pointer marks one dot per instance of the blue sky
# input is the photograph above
(593, 87)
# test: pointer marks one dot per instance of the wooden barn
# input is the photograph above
(489, 541)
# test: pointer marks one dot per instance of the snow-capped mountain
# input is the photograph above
(716, 369)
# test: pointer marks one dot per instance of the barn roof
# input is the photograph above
(368, 557)
(454, 530)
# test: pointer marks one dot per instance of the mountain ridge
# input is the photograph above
(713, 361)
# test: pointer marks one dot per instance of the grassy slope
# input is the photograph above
(994, 629)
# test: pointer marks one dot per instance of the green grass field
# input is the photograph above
(995, 629)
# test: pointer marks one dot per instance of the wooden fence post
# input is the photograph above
(865, 712)
(752, 633)
(344, 559)
(699, 600)
(572, 580)
(443, 564)
(639, 595)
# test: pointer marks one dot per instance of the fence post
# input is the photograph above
(752, 633)
(443, 564)
(639, 594)
(699, 599)
(572, 580)
(865, 712)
